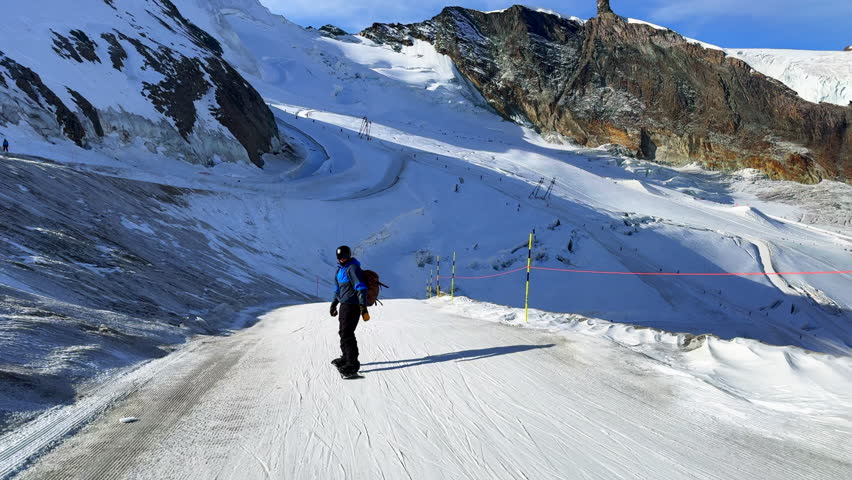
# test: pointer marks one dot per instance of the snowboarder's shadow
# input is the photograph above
(462, 356)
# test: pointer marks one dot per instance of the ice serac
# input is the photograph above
(140, 73)
(612, 81)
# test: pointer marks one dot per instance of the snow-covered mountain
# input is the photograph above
(656, 93)
(815, 76)
(127, 74)
(110, 261)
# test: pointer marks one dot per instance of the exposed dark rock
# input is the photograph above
(647, 148)
(333, 31)
(848, 49)
(85, 46)
(117, 54)
(175, 96)
(197, 35)
(609, 81)
(152, 58)
(603, 7)
(242, 110)
(82, 47)
(30, 83)
(88, 110)
(63, 47)
(394, 34)
(162, 22)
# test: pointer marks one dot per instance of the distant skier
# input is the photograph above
(351, 294)
(5, 145)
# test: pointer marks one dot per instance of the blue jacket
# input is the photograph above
(350, 287)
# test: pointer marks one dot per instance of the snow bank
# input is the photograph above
(786, 379)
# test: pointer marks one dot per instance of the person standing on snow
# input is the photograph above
(351, 294)
(6, 145)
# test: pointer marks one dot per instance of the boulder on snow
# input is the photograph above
(848, 48)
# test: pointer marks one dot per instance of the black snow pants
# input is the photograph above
(349, 315)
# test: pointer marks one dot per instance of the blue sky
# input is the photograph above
(799, 24)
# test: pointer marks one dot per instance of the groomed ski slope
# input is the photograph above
(445, 396)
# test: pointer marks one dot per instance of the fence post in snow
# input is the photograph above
(529, 264)
(438, 276)
(453, 280)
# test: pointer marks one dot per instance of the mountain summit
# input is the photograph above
(614, 80)
(603, 7)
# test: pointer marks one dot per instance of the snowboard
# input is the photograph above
(351, 376)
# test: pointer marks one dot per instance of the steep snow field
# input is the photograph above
(447, 396)
(117, 69)
(770, 352)
(815, 76)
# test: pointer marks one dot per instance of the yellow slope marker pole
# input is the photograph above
(453, 281)
(529, 264)
(438, 277)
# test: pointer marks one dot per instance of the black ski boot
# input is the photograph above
(348, 370)
(337, 362)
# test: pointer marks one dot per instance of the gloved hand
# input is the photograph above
(333, 310)
(364, 313)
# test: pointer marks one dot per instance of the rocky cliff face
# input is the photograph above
(611, 81)
(127, 73)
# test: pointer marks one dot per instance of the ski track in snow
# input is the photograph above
(444, 397)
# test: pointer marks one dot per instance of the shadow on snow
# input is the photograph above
(462, 356)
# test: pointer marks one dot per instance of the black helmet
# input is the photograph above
(344, 252)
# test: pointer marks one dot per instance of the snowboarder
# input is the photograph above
(350, 294)
(5, 145)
